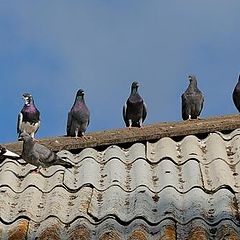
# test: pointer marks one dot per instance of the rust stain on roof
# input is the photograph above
(80, 232)
(19, 232)
(169, 233)
(198, 233)
(51, 233)
(138, 235)
(111, 235)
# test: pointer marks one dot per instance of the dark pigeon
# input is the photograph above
(39, 155)
(29, 117)
(192, 100)
(5, 153)
(236, 95)
(78, 117)
(134, 110)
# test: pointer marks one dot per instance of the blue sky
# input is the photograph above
(51, 48)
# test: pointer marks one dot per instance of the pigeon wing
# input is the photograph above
(185, 107)
(69, 123)
(199, 99)
(42, 153)
(38, 120)
(144, 114)
(125, 114)
(236, 97)
(19, 122)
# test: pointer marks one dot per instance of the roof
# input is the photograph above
(177, 186)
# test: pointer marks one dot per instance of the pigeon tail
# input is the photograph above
(60, 161)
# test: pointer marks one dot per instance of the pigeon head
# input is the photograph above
(134, 87)
(192, 78)
(193, 81)
(80, 94)
(24, 137)
(27, 97)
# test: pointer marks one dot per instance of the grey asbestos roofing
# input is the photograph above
(188, 189)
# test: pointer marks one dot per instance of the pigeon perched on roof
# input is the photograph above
(78, 116)
(29, 117)
(39, 155)
(236, 95)
(134, 110)
(5, 153)
(192, 100)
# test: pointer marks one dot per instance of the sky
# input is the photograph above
(52, 48)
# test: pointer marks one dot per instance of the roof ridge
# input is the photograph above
(147, 133)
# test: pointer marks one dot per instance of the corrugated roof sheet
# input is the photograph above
(166, 189)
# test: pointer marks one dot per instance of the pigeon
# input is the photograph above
(236, 95)
(192, 100)
(134, 110)
(39, 155)
(5, 153)
(78, 117)
(29, 117)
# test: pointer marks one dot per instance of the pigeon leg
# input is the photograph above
(33, 137)
(76, 133)
(37, 170)
(82, 137)
(130, 123)
(141, 123)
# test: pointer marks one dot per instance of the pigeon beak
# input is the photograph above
(20, 139)
(26, 100)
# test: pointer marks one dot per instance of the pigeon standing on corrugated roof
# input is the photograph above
(192, 100)
(236, 95)
(134, 110)
(78, 116)
(29, 117)
(39, 155)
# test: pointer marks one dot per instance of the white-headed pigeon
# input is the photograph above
(29, 117)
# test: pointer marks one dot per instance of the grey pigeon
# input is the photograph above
(29, 117)
(192, 100)
(78, 116)
(134, 110)
(236, 95)
(39, 155)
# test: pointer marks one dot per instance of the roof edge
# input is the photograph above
(147, 133)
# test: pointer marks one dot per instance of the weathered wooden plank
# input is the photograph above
(147, 133)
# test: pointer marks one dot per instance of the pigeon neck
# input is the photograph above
(79, 99)
(27, 145)
(192, 85)
(30, 103)
(134, 91)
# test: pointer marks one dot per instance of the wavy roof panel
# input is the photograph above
(165, 189)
